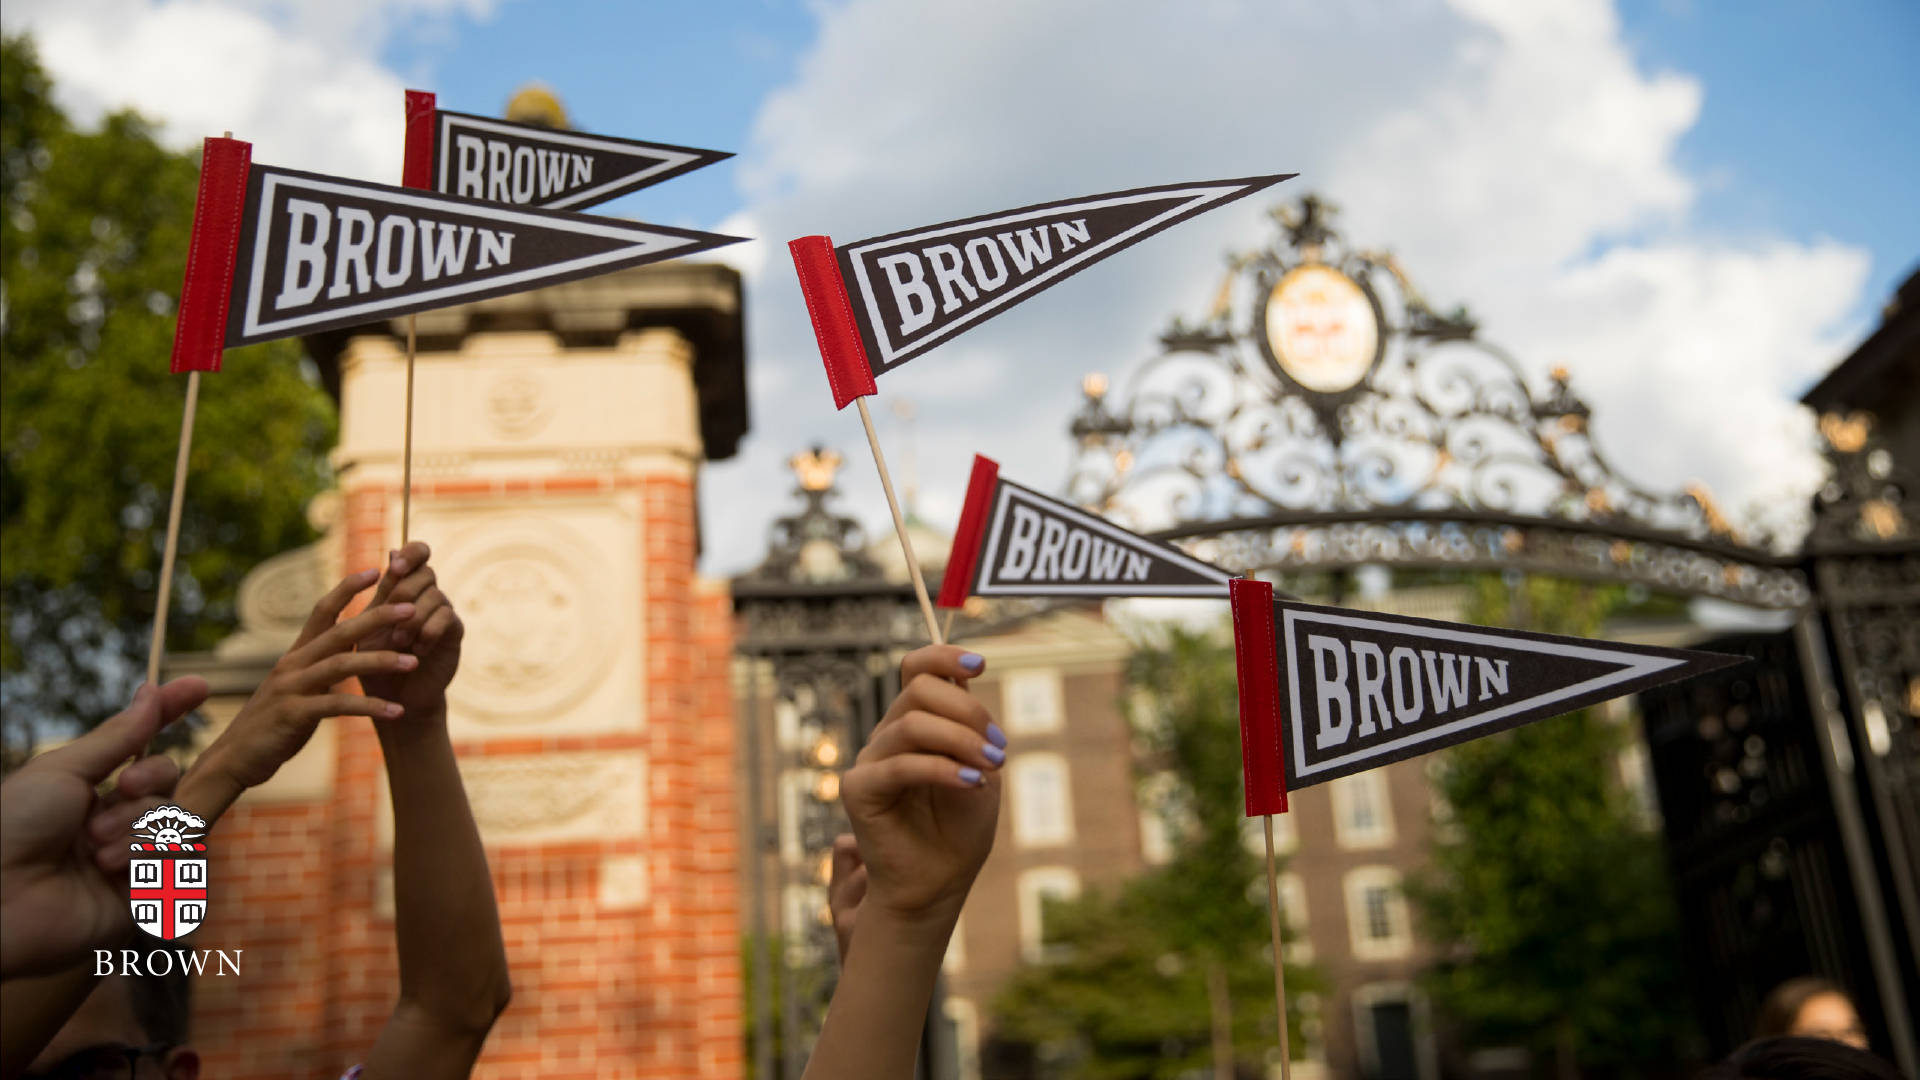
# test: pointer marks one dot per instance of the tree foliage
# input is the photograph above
(1130, 995)
(1546, 894)
(93, 237)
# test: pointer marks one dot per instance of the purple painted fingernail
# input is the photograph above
(994, 754)
(996, 736)
(400, 611)
(972, 775)
(973, 662)
(406, 662)
(393, 710)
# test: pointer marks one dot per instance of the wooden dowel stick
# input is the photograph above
(946, 624)
(900, 526)
(406, 452)
(1279, 965)
(158, 646)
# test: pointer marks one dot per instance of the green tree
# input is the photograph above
(1152, 972)
(1547, 895)
(93, 238)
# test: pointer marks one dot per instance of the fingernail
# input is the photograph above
(402, 638)
(407, 662)
(393, 710)
(367, 574)
(994, 754)
(996, 736)
(973, 662)
(971, 775)
(401, 611)
(399, 566)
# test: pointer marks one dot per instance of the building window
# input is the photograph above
(1293, 909)
(963, 1025)
(1377, 918)
(1033, 703)
(1042, 800)
(1038, 890)
(1362, 815)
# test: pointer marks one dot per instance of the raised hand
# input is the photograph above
(63, 848)
(302, 690)
(432, 634)
(924, 797)
(924, 794)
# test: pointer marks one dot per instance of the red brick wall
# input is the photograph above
(641, 994)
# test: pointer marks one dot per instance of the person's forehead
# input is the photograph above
(106, 1016)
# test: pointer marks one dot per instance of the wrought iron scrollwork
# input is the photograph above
(1439, 454)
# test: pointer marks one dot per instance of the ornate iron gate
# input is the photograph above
(1324, 415)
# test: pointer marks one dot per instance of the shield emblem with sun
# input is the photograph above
(168, 877)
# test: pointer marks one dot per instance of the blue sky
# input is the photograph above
(1699, 207)
(1807, 127)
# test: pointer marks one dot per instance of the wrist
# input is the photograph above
(927, 928)
(209, 787)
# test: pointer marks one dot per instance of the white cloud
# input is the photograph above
(1512, 152)
(301, 81)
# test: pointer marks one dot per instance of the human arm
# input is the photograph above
(924, 799)
(302, 689)
(453, 960)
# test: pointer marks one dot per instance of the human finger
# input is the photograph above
(344, 634)
(405, 634)
(327, 611)
(180, 696)
(336, 669)
(941, 661)
(399, 563)
(148, 777)
(931, 693)
(94, 755)
(443, 626)
(111, 825)
(413, 586)
(925, 732)
(324, 706)
(846, 860)
(883, 780)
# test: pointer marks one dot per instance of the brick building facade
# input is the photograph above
(558, 437)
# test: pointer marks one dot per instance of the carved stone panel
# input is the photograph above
(550, 798)
(551, 597)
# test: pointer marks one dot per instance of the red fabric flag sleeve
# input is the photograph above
(207, 290)
(417, 169)
(956, 584)
(1262, 753)
(840, 347)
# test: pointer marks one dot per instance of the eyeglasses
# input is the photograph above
(103, 1063)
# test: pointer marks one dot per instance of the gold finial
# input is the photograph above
(1717, 523)
(1881, 518)
(815, 467)
(1846, 434)
(535, 103)
(1094, 385)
